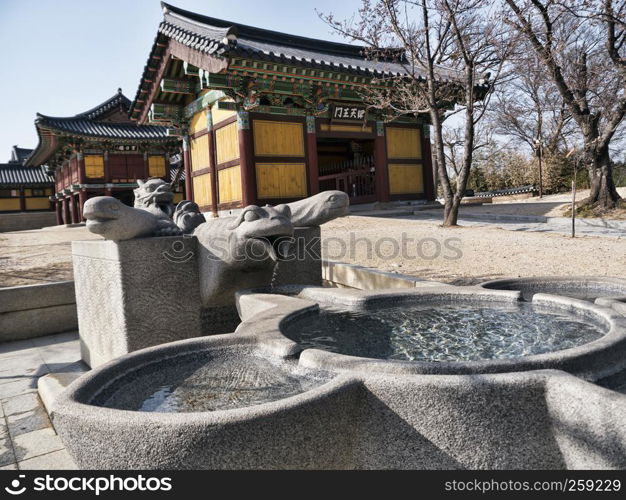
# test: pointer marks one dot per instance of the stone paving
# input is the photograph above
(27, 439)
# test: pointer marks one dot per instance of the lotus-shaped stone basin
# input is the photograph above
(445, 330)
(543, 419)
(220, 378)
(256, 399)
(582, 287)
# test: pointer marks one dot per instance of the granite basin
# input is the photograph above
(275, 320)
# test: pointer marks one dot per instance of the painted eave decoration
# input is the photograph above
(94, 124)
(231, 48)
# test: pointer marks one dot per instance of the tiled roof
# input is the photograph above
(12, 175)
(18, 155)
(92, 128)
(119, 100)
(176, 164)
(225, 38)
(97, 123)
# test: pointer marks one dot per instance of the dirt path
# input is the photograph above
(550, 206)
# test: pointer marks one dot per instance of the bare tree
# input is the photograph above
(454, 144)
(446, 47)
(529, 109)
(581, 45)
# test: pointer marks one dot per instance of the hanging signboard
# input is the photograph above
(347, 113)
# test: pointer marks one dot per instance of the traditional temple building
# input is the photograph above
(267, 117)
(24, 189)
(100, 152)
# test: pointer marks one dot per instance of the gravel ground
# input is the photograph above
(38, 256)
(460, 255)
(467, 255)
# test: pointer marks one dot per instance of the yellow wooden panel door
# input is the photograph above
(278, 138)
(94, 166)
(404, 143)
(37, 203)
(227, 143)
(266, 181)
(156, 166)
(200, 153)
(202, 190)
(198, 122)
(405, 179)
(229, 180)
(281, 180)
(293, 180)
(7, 204)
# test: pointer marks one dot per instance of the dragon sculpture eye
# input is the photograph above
(250, 216)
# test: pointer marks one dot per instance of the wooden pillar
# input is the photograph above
(380, 160)
(311, 152)
(59, 211)
(187, 167)
(81, 167)
(65, 211)
(146, 167)
(22, 200)
(427, 158)
(107, 175)
(212, 164)
(107, 171)
(246, 159)
(73, 214)
(82, 198)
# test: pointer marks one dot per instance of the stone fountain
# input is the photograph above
(282, 392)
(166, 273)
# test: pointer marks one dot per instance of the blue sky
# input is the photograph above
(61, 57)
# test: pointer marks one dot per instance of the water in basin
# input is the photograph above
(208, 381)
(443, 332)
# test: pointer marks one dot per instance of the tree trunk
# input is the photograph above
(603, 192)
(451, 211)
(442, 173)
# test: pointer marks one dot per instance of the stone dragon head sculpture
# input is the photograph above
(154, 195)
(235, 252)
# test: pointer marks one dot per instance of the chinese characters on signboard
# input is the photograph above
(348, 113)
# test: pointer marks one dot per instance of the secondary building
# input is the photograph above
(101, 152)
(267, 117)
(24, 189)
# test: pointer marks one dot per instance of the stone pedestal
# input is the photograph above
(135, 294)
(144, 292)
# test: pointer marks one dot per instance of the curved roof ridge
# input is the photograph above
(95, 112)
(266, 35)
(111, 102)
